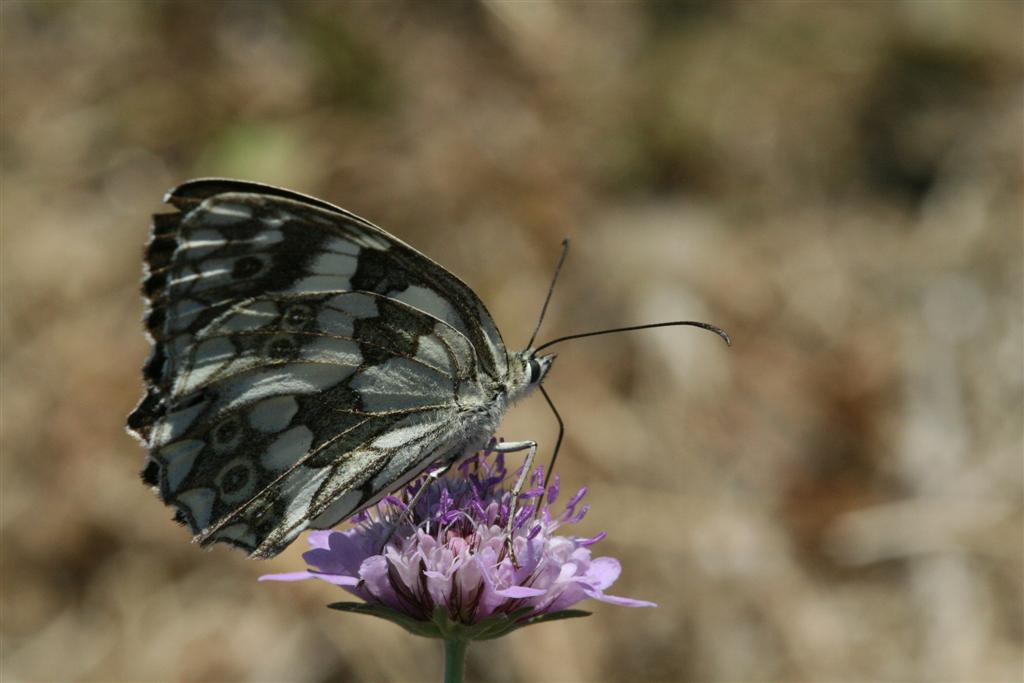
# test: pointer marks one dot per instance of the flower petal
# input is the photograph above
(288, 576)
(566, 596)
(343, 554)
(603, 572)
(374, 573)
(517, 592)
(336, 579)
(616, 600)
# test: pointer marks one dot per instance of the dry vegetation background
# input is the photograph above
(836, 498)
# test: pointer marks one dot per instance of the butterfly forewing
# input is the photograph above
(305, 362)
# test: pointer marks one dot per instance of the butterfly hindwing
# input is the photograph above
(305, 362)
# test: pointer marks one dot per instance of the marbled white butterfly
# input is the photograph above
(305, 363)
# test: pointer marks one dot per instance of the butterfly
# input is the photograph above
(305, 363)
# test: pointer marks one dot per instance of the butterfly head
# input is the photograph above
(528, 371)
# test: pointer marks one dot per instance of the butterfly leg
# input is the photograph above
(512, 447)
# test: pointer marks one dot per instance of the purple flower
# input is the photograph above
(446, 569)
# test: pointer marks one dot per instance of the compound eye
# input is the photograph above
(534, 370)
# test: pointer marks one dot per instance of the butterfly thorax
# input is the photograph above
(484, 404)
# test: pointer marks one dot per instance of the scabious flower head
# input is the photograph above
(447, 564)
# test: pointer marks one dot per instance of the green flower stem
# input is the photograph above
(454, 659)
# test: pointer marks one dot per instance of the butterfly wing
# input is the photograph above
(312, 234)
(304, 363)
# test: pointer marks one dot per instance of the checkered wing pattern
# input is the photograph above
(304, 363)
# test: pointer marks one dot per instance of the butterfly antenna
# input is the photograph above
(558, 441)
(551, 289)
(675, 323)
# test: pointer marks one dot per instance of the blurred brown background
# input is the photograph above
(836, 498)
